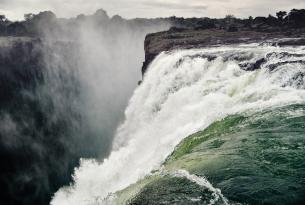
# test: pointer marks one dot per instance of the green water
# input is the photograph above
(253, 158)
(172, 190)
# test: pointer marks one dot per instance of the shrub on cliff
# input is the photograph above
(272, 21)
(205, 23)
(232, 28)
(16, 29)
(41, 24)
(281, 14)
(296, 18)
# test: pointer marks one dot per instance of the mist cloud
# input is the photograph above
(63, 96)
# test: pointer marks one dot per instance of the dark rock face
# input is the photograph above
(253, 66)
(39, 147)
(17, 70)
(20, 72)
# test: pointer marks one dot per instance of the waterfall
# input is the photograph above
(184, 91)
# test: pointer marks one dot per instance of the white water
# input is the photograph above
(174, 101)
(203, 182)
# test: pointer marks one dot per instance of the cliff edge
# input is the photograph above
(176, 38)
(285, 29)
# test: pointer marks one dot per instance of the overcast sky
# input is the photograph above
(14, 9)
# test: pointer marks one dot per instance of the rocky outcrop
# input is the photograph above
(192, 38)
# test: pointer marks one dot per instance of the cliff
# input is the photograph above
(177, 38)
(202, 32)
(37, 149)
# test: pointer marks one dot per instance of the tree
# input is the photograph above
(273, 21)
(296, 17)
(281, 14)
(28, 17)
(81, 17)
(101, 14)
(249, 21)
(2, 18)
(230, 19)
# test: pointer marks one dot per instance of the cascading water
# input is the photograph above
(184, 92)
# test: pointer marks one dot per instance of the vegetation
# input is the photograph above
(46, 22)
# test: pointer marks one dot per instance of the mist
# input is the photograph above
(66, 90)
(110, 56)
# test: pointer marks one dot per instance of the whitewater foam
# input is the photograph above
(183, 92)
(203, 182)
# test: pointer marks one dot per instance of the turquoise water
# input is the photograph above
(253, 158)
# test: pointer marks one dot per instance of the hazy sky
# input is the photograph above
(14, 9)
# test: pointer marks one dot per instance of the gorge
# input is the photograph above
(218, 117)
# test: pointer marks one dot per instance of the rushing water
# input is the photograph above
(184, 92)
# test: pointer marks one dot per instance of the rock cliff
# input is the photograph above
(176, 38)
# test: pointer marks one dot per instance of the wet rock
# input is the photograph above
(276, 65)
(253, 66)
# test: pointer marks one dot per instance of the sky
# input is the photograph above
(15, 9)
